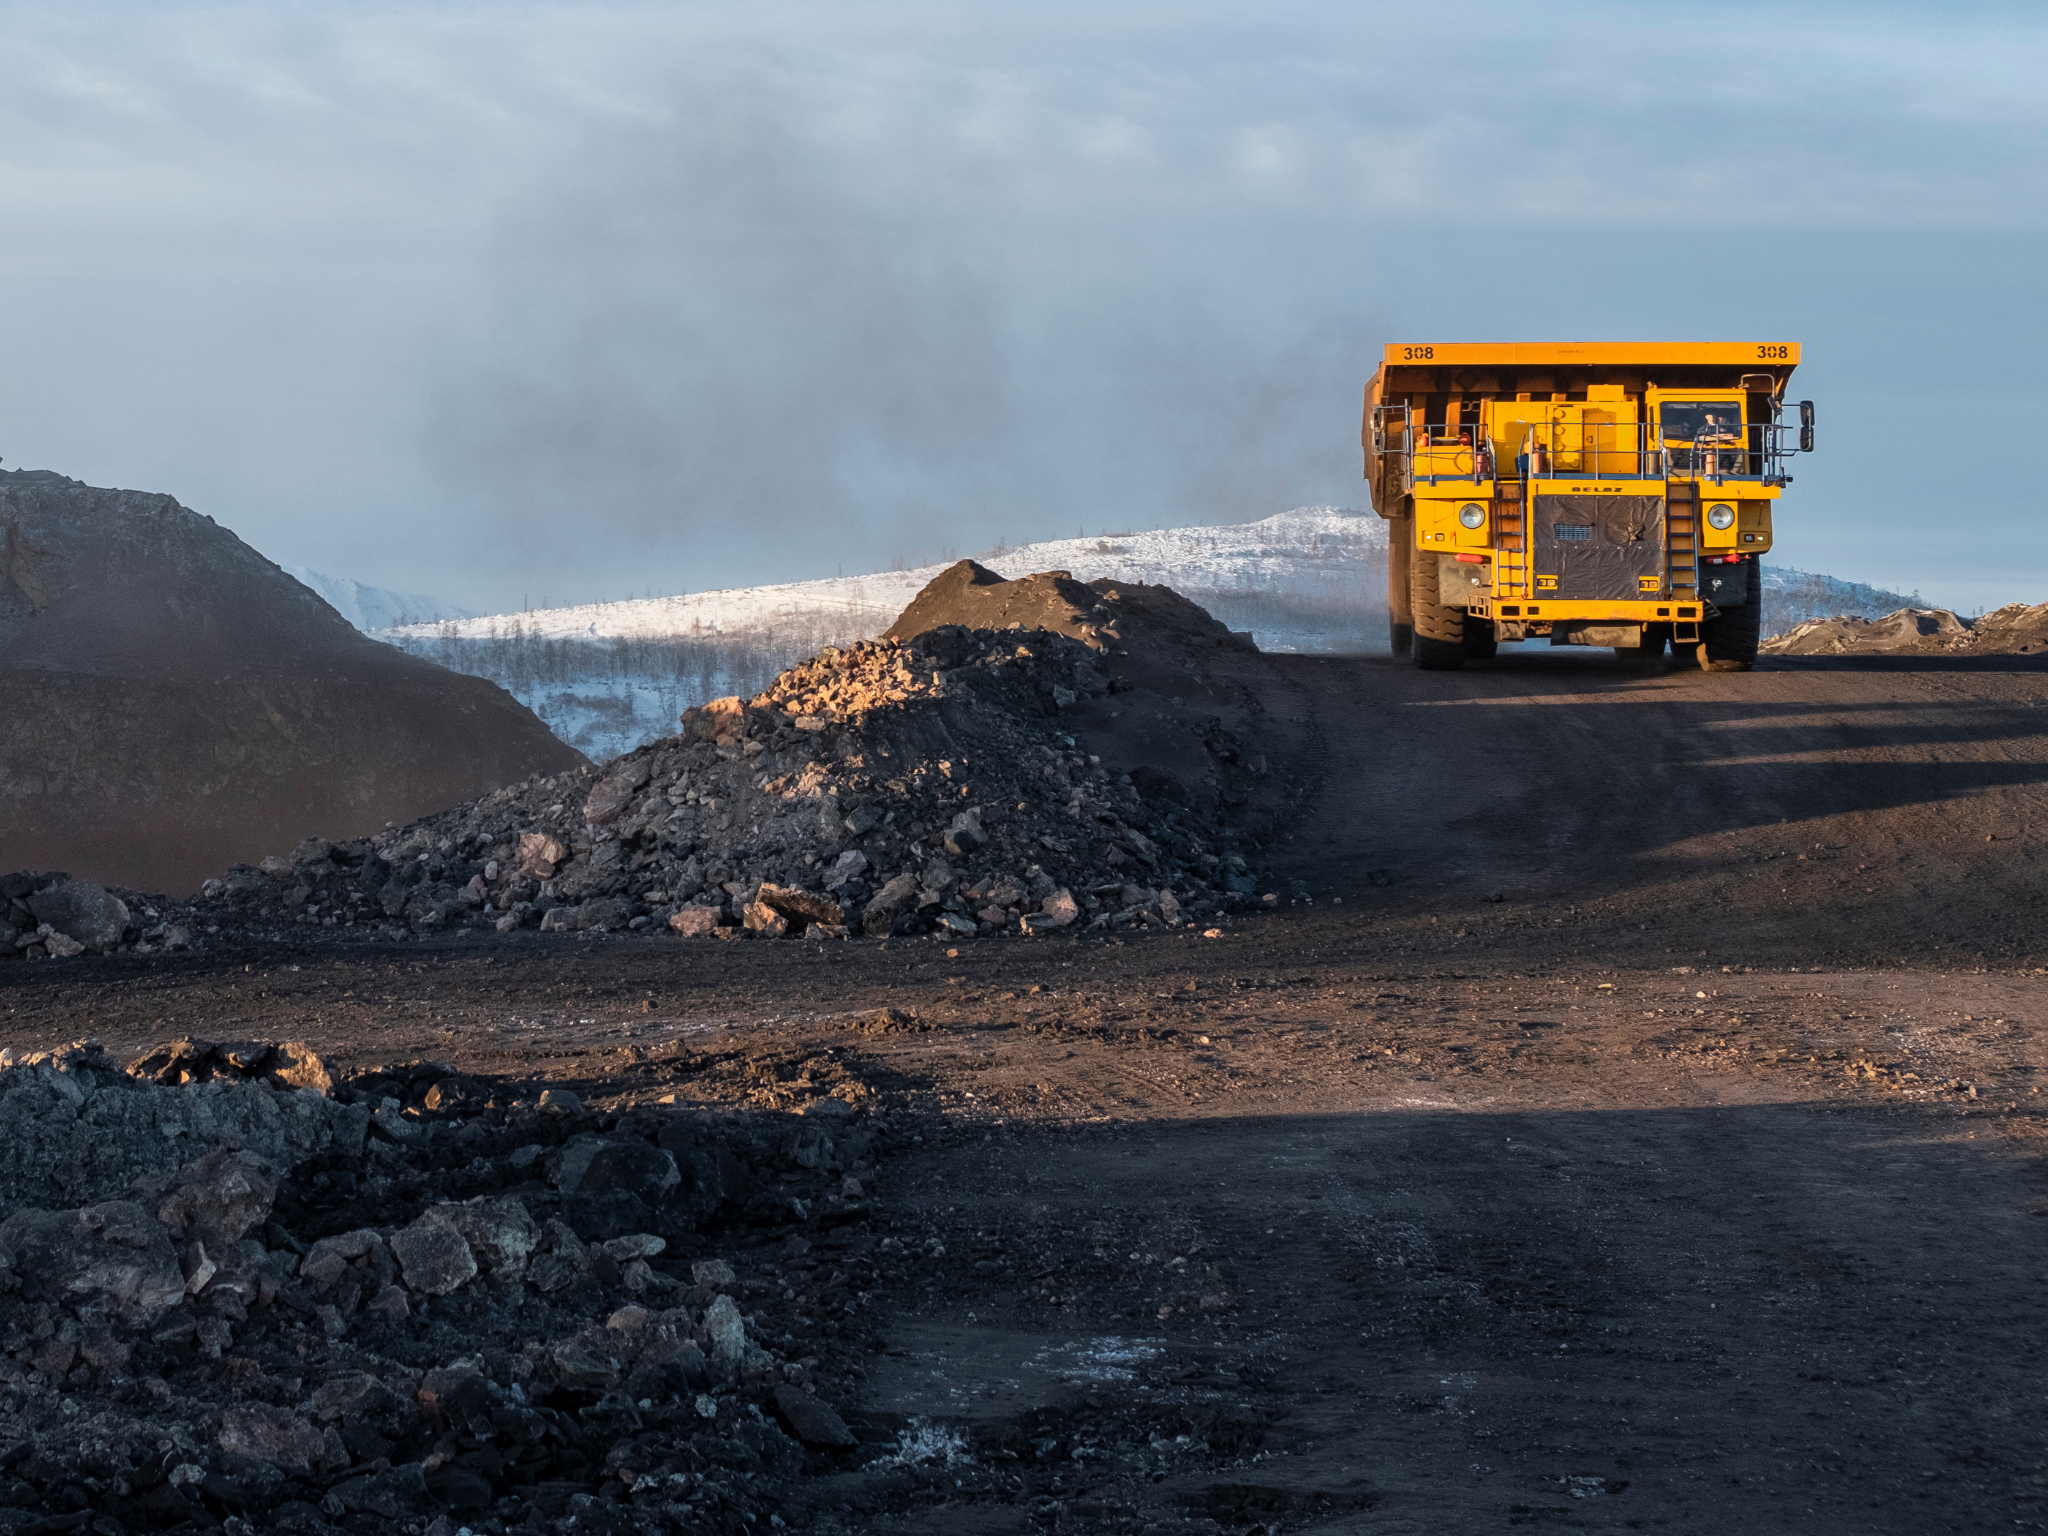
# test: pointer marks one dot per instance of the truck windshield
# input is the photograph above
(1700, 421)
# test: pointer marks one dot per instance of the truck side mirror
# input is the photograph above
(1806, 426)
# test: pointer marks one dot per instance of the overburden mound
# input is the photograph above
(171, 701)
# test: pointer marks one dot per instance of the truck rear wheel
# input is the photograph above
(1400, 555)
(1728, 640)
(1439, 629)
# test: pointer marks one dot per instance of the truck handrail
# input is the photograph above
(1630, 451)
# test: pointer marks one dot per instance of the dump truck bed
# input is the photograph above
(1430, 377)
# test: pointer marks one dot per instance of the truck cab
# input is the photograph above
(1609, 494)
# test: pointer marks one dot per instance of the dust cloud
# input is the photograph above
(743, 319)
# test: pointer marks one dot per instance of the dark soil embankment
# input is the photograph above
(171, 702)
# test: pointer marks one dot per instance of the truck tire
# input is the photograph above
(1728, 640)
(1439, 629)
(1479, 642)
(1400, 555)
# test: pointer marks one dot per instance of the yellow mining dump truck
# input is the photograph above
(1599, 493)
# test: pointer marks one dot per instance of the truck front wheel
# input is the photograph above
(1728, 640)
(1439, 628)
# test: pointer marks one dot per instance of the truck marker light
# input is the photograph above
(1471, 559)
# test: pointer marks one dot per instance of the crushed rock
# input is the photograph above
(459, 1309)
(76, 1129)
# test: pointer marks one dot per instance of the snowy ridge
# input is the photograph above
(842, 602)
(1794, 597)
(1275, 553)
(369, 608)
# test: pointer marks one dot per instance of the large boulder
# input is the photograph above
(615, 1185)
(115, 1251)
(433, 1257)
(229, 1190)
(276, 1435)
(498, 1230)
(799, 906)
(811, 1421)
(84, 912)
(888, 904)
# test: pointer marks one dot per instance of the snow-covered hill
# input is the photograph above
(609, 676)
(374, 607)
(1792, 598)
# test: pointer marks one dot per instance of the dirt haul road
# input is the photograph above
(1633, 1123)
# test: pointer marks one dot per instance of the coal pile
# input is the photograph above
(171, 701)
(420, 1295)
(1091, 772)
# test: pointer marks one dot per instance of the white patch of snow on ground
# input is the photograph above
(925, 1444)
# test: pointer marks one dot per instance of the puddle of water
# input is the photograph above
(1104, 1359)
(971, 1374)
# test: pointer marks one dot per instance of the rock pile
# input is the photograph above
(956, 780)
(452, 1299)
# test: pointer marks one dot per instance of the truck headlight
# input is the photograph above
(1721, 515)
(1473, 515)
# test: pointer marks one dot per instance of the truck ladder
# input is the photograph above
(1510, 543)
(1681, 539)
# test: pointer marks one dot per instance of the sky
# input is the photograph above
(521, 304)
